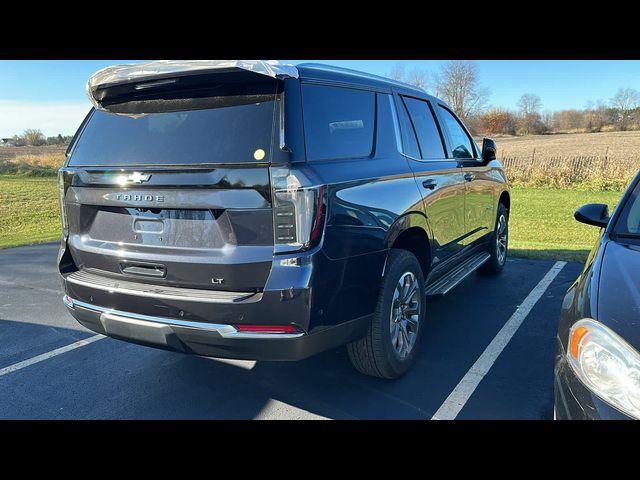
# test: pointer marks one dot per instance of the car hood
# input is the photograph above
(619, 291)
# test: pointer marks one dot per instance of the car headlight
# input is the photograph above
(606, 364)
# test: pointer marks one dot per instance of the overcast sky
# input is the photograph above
(50, 95)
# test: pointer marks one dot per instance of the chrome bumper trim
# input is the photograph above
(128, 287)
(225, 331)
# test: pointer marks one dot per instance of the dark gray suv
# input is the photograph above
(252, 210)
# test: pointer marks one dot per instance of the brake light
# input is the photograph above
(63, 211)
(298, 209)
(275, 329)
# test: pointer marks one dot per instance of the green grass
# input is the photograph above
(541, 224)
(29, 211)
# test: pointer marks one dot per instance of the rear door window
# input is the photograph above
(426, 129)
(338, 122)
(461, 143)
(409, 140)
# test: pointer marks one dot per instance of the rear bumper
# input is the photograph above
(211, 339)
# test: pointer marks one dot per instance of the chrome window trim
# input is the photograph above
(396, 124)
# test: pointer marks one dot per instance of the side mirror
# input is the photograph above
(595, 214)
(489, 149)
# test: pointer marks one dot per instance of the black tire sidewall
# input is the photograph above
(400, 261)
(502, 210)
(492, 266)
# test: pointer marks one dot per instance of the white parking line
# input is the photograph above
(457, 399)
(52, 353)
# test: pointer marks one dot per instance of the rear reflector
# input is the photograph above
(68, 301)
(275, 329)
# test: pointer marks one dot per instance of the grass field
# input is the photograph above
(541, 225)
(29, 211)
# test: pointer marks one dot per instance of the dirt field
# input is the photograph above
(614, 145)
(10, 153)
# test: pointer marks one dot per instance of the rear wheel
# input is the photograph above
(498, 244)
(389, 348)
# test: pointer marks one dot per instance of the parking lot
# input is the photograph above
(454, 377)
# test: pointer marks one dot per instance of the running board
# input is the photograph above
(449, 281)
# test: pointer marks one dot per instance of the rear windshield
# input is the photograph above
(241, 130)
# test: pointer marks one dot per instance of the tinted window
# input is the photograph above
(240, 131)
(426, 129)
(629, 222)
(409, 140)
(461, 145)
(387, 143)
(338, 122)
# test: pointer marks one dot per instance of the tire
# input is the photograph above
(381, 352)
(496, 263)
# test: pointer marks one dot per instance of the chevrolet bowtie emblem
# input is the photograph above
(135, 178)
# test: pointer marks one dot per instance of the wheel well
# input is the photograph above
(505, 199)
(416, 241)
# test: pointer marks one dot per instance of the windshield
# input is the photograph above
(239, 129)
(629, 221)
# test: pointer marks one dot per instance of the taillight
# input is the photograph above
(63, 210)
(297, 210)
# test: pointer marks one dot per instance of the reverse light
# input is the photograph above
(297, 210)
(275, 329)
(606, 364)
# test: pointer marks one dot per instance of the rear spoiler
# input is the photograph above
(116, 83)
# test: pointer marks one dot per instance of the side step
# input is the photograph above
(449, 281)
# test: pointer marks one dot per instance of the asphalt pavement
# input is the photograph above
(111, 379)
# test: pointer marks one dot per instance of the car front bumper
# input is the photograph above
(574, 401)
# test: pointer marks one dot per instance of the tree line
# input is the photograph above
(35, 138)
(458, 83)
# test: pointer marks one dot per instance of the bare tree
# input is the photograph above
(530, 118)
(625, 102)
(418, 77)
(397, 72)
(458, 84)
(529, 103)
(546, 118)
(596, 116)
(568, 120)
(33, 137)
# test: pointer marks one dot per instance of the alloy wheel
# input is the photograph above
(405, 314)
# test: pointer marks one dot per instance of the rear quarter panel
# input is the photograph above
(370, 200)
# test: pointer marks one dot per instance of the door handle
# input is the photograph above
(429, 184)
(469, 177)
